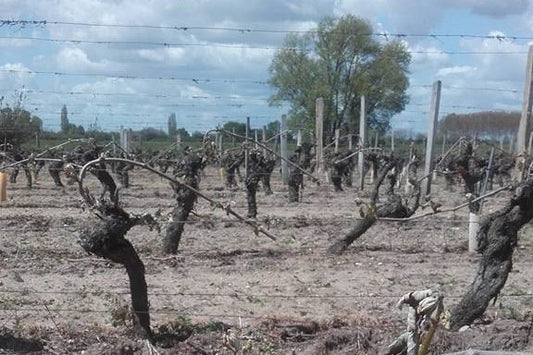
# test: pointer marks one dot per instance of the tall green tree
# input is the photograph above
(18, 125)
(65, 127)
(172, 126)
(340, 61)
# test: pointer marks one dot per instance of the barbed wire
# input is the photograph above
(468, 107)
(136, 103)
(232, 46)
(218, 97)
(241, 104)
(215, 80)
(244, 30)
(137, 77)
(93, 93)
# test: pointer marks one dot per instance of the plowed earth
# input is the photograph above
(280, 297)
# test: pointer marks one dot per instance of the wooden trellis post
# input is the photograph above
(319, 133)
(3, 185)
(433, 117)
(219, 144)
(125, 138)
(362, 140)
(264, 134)
(247, 135)
(284, 155)
(337, 135)
(524, 128)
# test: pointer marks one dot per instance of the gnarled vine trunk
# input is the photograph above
(394, 206)
(497, 239)
(257, 167)
(106, 238)
(189, 169)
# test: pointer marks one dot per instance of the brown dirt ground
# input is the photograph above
(282, 297)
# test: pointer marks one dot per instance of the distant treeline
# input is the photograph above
(490, 124)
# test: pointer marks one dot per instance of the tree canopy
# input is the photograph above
(340, 62)
(17, 125)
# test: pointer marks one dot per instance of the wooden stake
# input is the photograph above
(264, 134)
(362, 140)
(284, 154)
(337, 134)
(530, 143)
(247, 135)
(3, 186)
(524, 127)
(319, 132)
(433, 118)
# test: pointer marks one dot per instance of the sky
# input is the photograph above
(133, 63)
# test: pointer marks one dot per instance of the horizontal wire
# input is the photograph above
(208, 80)
(135, 77)
(209, 294)
(153, 311)
(25, 22)
(235, 294)
(220, 45)
(73, 92)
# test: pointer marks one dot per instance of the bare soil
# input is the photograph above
(280, 297)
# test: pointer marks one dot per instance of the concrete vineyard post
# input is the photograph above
(362, 139)
(284, 154)
(319, 133)
(433, 117)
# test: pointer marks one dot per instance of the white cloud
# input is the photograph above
(455, 70)
(17, 43)
(428, 55)
(74, 58)
(502, 60)
(15, 75)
